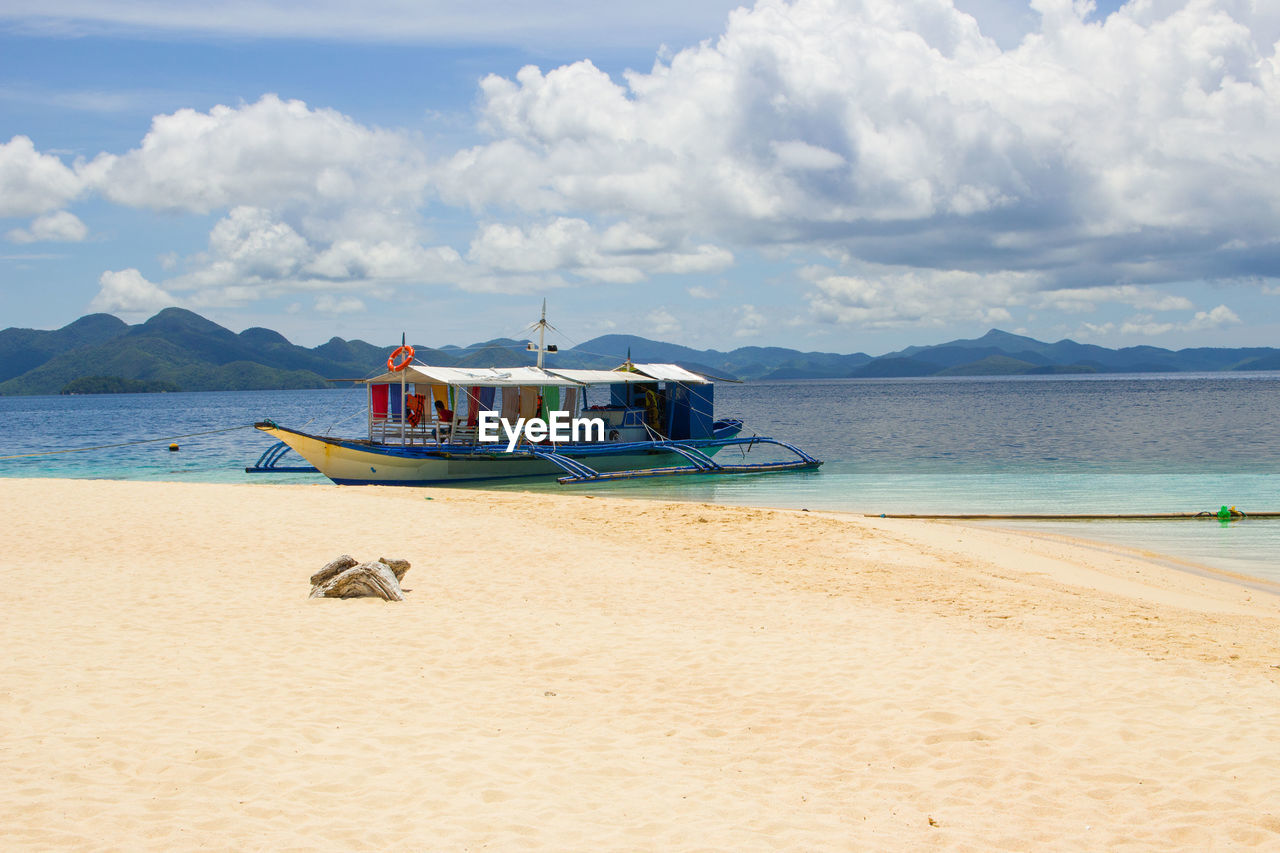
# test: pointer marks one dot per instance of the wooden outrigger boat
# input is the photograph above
(430, 425)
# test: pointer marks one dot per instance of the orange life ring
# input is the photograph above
(393, 366)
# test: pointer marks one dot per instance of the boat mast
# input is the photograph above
(403, 413)
(542, 334)
(541, 347)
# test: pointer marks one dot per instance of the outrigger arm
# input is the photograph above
(700, 463)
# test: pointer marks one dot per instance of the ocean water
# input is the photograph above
(1150, 443)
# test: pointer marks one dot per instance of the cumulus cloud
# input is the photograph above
(1084, 300)
(1213, 319)
(60, 227)
(621, 254)
(328, 304)
(749, 322)
(940, 174)
(252, 253)
(313, 199)
(1095, 330)
(662, 322)
(271, 153)
(886, 297)
(128, 292)
(33, 183)
(254, 245)
(1133, 149)
(1147, 325)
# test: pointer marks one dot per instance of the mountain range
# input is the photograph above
(180, 350)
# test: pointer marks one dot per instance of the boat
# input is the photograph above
(436, 425)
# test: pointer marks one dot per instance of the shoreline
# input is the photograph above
(1171, 561)
(579, 672)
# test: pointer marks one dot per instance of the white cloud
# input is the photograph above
(884, 297)
(1094, 330)
(32, 183)
(796, 154)
(272, 153)
(725, 128)
(1148, 326)
(127, 292)
(1125, 150)
(946, 175)
(750, 322)
(622, 254)
(252, 254)
(313, 198)
(327, 304)
(395, 260)
(1212, 319)
(255, 245)
(1084, 300)
(662, 322)
(60, 226)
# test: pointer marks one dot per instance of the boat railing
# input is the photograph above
(464, 434)
(394, 429)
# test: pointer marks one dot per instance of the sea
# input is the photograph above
(1149, 443)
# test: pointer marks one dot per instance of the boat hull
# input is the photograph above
(362, 463)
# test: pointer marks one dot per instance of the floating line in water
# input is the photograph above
(1099, 516)
(125, 444)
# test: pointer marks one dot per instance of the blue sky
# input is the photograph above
(819, 174)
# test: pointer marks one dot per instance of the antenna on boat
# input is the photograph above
(402, 391)
(542, 348)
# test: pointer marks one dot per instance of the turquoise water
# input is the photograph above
(1180, 443)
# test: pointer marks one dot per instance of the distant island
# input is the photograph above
(178, 350)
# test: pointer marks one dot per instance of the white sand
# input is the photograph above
(589, 674)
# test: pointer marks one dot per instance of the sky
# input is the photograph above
(834, 175)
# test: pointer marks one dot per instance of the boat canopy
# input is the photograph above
(503, 377)
(638, 373)
(497, 377)
(670, 373)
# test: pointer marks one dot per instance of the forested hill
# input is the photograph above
(180, 350)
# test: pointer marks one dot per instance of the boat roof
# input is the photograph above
(501, 377)
(669, 373)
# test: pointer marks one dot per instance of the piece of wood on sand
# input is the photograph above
(345, 578)
(333, 569)
(399, 567)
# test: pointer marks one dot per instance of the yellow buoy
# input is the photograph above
(173, 447)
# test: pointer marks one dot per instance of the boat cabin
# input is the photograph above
(422, 404)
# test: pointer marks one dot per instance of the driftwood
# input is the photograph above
(334, 569)
(345, 578)
(399, 567)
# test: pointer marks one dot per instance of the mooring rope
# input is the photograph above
(125, 444)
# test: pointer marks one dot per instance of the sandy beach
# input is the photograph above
(570, 673)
